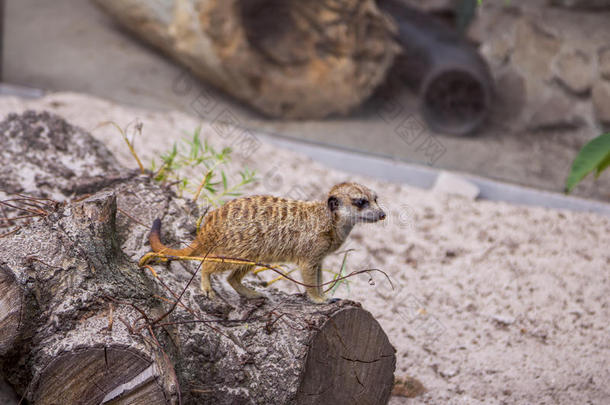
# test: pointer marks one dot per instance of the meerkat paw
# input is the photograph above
(317, 299)
(250, 294)
(209, 294)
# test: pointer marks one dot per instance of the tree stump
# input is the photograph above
(285, 58)
(82, 324)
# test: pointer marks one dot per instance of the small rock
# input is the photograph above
(450, 183)
(555, 110)
(449, 372)
(533, 50)
(503, 320)
(573, 69)
(512, 97)
(408, 387)
(601, 100)
(604, 62)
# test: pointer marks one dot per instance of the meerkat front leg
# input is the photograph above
(312, 276)
(235, 278)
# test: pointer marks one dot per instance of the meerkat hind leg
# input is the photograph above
(206, 285)
(235, 279)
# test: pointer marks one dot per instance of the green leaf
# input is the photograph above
(224, 180)
(169, 157)
(595, 155)
(603, 165)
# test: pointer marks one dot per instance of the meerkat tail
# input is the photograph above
(158, 246)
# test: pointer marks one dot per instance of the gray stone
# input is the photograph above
(450, 183)
(503, 320)
(601, 100)
(448, 371)
(574, 70)
(534, 49)
(510, 88)
(604, 62)
(553, 109)
(544, 61)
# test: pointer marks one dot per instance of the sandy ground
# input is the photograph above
(492, 303)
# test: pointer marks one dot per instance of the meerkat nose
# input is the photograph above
(382, 215)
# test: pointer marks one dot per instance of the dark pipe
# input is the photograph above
(452, 79)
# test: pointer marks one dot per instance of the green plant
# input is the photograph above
(339, 278)
(191, 155)
(194, 155)
(123, 132)
(595, 155)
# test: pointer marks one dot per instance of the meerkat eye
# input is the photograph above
(360, 202)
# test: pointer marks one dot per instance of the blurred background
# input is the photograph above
(506, 90)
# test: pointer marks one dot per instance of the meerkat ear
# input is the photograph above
(333, 203)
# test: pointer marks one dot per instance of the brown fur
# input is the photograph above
(268, 229)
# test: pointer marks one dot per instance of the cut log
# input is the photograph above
(350, 362)
(83, 324)
(65, 267)
(285, 58)
(228, 351)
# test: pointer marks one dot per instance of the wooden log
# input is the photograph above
(83, 324)
(285, 58)
(226, 351)
(65, 347)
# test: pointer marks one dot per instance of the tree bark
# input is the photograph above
(285, 58)
(82, 324)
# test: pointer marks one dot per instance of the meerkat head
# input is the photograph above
(353, 203)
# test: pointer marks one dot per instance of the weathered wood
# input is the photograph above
(287, 58)
(88, 326)
(11, 299)
(350, 362)
(63, 350)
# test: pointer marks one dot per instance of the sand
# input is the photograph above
(492, 303)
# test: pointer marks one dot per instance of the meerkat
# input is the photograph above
(268, 229)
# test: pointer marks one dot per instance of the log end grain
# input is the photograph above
(350, 361)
